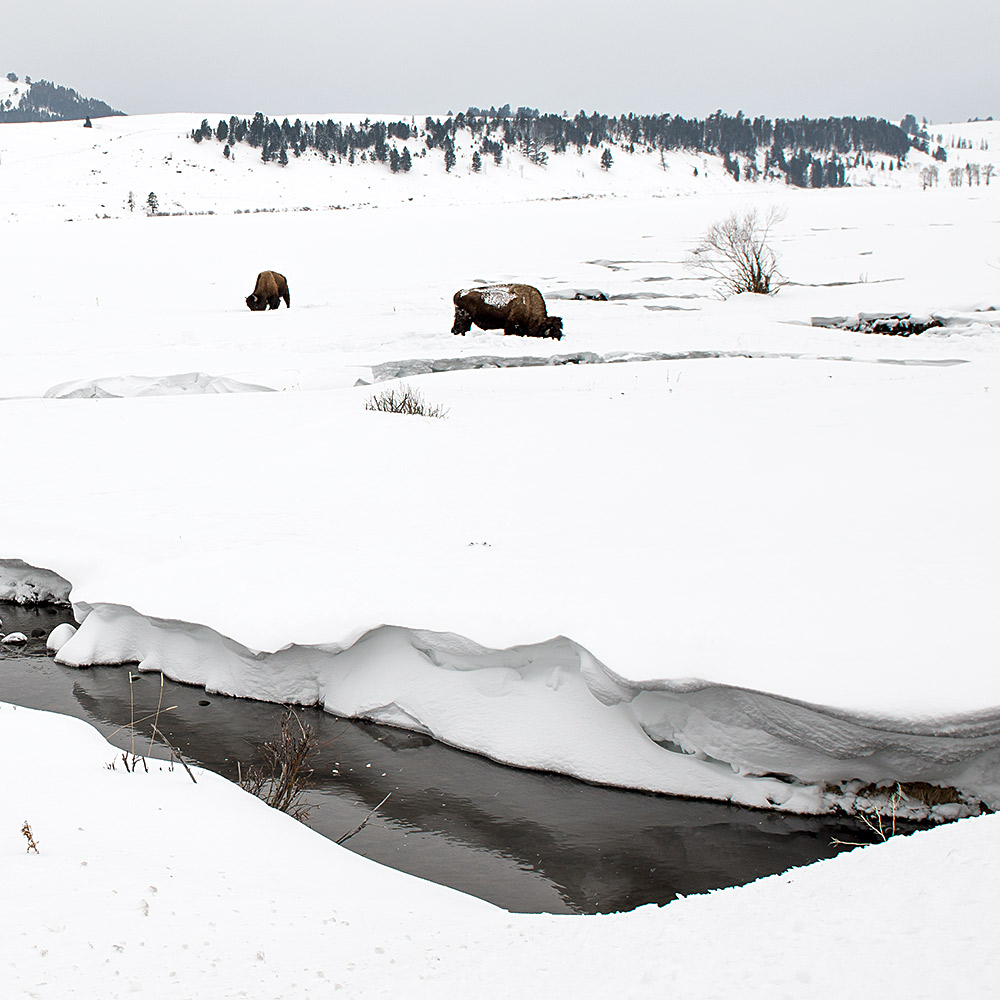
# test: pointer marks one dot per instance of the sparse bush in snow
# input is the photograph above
(404, 399)
(736, 251)
(283, 772)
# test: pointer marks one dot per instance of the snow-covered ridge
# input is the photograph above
(552, 706)
(109, 170)
(25, 100)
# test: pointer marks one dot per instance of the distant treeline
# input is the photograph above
(807, 152)
(46, 102)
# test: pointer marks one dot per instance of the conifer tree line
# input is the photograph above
(806, 152)
(330, 139)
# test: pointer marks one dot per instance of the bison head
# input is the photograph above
(256, 303)
(553, 328)
(463, 322)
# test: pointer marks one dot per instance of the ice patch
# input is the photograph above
(425, 366)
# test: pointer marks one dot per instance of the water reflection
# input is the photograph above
(524, 840)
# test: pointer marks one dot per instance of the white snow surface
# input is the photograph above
(147, 882)
(118, 386)
(772, 511)
(24, 584)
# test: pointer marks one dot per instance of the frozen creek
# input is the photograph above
(528, 842)
(553, 707)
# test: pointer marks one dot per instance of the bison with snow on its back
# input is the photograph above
(516, 309)
(271, 287)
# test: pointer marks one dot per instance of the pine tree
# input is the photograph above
(394, 160)
(477, 161)
(152, 204)
(449, 155)
(256, 134)
(88, 123)
(404, 161)
(606, 159)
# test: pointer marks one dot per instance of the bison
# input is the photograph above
(518, 310)
(270, 288)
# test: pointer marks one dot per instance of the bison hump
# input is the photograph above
(497, 296)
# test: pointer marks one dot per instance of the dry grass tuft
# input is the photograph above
(919, 791)
(404, 399)
(30, 837)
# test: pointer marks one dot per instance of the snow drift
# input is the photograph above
(552, 706)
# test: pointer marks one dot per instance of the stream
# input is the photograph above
(524, 840)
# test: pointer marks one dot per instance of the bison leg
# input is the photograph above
(288, 299)
(463, 322)
(274, 302)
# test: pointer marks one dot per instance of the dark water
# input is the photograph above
(527, 841)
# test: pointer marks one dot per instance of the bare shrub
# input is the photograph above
(404, 399)
(736, 251)
(282, 772)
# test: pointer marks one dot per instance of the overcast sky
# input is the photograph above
(773, 57)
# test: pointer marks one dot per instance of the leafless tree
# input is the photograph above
(988, 171)
(736, 251)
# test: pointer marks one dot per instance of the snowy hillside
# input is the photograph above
(25, 100)
(110, 170)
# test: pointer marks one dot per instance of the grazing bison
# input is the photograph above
(517, 309)
(270, 288)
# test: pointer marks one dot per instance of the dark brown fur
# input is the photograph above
(270, 289)
(518, 310)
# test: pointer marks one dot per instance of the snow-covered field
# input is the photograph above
(774, 557)
(147, 883)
